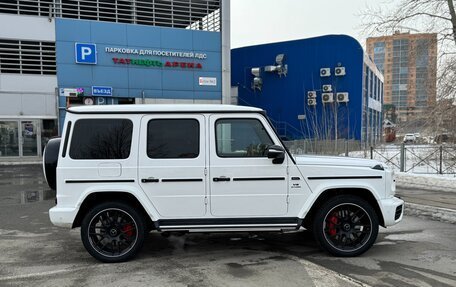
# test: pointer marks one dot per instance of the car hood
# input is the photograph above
(335, 161)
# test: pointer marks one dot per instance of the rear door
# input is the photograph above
(243, 181)
(172, 164)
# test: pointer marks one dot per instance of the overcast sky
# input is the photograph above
(265, 21)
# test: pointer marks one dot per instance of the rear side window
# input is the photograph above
(101, 139)
(173, 138)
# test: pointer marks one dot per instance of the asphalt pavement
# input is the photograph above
(416, 252)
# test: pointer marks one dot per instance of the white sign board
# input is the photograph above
(72, 93)
(207, 81)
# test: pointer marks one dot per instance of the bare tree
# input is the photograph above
(437, 16)
(427, 16)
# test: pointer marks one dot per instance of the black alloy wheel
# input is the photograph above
(113, 232)
(346, 226)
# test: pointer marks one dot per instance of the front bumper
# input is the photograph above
(62, 216)
(392, 209)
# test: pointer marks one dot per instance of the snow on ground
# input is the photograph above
(426, 181)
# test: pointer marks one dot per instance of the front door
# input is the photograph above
(9, 138)
(243, 181)
(20, 138)
(172, 164)
(30, 138)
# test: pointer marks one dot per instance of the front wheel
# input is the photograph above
(345, 226)
(113, 232)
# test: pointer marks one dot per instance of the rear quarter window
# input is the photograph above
(101, 139)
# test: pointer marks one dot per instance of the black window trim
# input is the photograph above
(65, 143)
(110, 159)
(174, 119)
(240, 118)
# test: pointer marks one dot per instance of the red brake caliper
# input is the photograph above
(128, 230)
(332, 225)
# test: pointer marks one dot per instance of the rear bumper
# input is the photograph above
(62, 216)
(393, 210)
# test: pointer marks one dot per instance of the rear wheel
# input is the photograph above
(346, 225)
(113, 232)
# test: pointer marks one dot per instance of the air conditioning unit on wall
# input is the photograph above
(312, 102)
(327, 88)
(325, 72)
(327, 98)
(342, 97)
(339, 71)
(311, 94)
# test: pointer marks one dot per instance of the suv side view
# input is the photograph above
(123, 171)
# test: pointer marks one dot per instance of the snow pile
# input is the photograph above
(432, 212)
(429, 182)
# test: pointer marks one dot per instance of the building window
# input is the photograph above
(241, 138)
(101, 139)
(173, 138)
(26, 7)
(27, 57)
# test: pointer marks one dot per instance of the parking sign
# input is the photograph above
(86, 53)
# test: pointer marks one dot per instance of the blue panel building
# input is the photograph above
(136, 64)
(322, 88)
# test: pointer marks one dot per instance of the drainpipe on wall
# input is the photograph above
(226, 53)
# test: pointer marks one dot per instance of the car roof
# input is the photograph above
(160, 108)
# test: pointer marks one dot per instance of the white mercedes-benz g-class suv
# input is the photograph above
(122, 171)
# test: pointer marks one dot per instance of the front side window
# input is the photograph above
(241, 138)
(101, 139)
(173, 138)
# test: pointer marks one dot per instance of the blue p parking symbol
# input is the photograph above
(86, 53)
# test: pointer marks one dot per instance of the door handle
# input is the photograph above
(146, 180)
(217, 179)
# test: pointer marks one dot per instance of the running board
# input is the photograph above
(219, 230)
(228, 224)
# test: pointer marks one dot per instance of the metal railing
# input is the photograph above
(427, 159)
(413, 158)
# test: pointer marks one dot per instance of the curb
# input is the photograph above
(431, 212)
(19, 163)
(16, 163)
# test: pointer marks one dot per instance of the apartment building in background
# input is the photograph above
(409, 65)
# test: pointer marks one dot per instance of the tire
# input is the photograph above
(113, 232)
(345, 226)
(50, 160)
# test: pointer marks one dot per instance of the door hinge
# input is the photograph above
(288, 199)
(205, 171)
(288, 170)
(205, 200)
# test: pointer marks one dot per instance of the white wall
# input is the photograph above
(26, 28)
(28, 83)
(27, 95)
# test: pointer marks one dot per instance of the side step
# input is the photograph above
(229, 224)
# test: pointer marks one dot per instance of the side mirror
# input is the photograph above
(277, 153)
